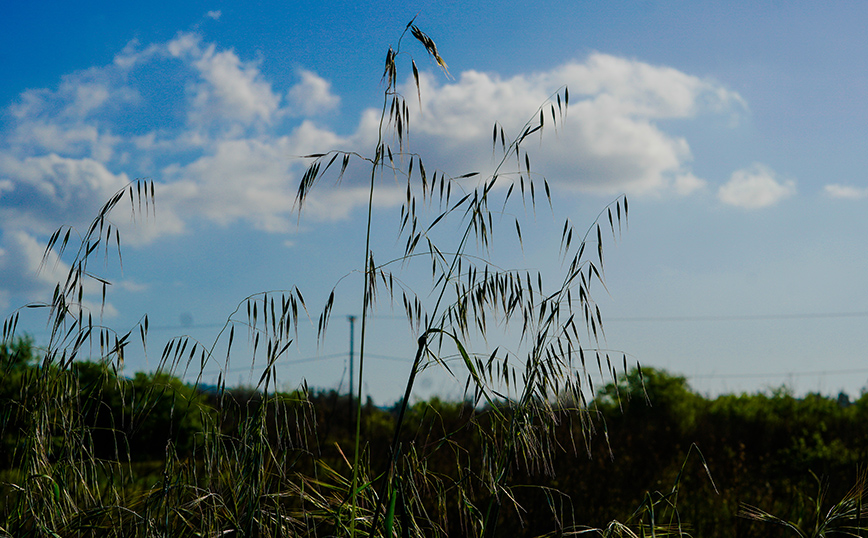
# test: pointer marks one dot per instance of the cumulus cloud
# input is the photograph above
(229, 89)
(253, 180)
(610, 143)
(312, 95)
(44, 188)
(67, 149)
(687, 184)
(20, 259)
(214, 14)
(241, 179)
(634, 88)
(847, 192)
(61, 120)
(755, 187)
(23, 269)
(221, 142)
(78, 96)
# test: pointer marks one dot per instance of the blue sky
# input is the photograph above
(736, 131)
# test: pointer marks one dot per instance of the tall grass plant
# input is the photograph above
(255, 468)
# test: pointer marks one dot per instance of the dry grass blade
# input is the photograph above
(756, 514)
(430, 47)
(847, 517)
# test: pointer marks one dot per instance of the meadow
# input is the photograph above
(533, 449)
(153, 456)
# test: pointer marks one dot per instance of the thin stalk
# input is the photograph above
(365, 299)
(365, 302)
(378, 156)
(420, 350)
(459, 251)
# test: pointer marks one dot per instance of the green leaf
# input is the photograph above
(390, 513)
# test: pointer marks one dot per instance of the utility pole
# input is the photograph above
(352, 320)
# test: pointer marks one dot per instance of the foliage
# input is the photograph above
(655, 476)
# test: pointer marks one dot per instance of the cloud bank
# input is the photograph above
(610, 143)
(221, 141)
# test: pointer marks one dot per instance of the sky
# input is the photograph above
(735, 130)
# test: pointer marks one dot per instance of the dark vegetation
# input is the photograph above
(770, 450)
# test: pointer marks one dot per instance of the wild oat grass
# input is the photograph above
(818, 518)
(252, 469)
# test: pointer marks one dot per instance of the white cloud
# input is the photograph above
(78, 97)
(337, 204)
(22, 254)
(243, 179)
(133, 286)
(222, 143)
(51, 190)
(63, 145)
(71, 139)
(634, 88)
(755, 187)
(228, 89)
(688, 184)
(610, 142)
(214, 14)
(65, 120)
(845, 191)
(256, 181)
(23, 272)
(312, 95)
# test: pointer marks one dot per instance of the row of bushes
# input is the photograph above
(656, 444)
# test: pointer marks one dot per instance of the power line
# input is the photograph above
(743, 317)
(779, 374)
(185, 327)
(717, 317)
(318, 358)
(633, 319)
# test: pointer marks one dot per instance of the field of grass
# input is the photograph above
(151, 456)
(534, 449)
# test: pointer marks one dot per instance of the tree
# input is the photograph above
(16, 354)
